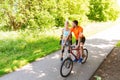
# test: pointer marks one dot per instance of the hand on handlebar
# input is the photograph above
(77, 46)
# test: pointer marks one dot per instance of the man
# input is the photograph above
(80, 38)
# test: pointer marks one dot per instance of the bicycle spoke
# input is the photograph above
(86, 56)
(66, 67)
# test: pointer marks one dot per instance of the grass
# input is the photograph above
(118, 44)
(18, 48)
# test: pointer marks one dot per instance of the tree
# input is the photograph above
(40, 14)
(14, 13)
(25, 13)
(103, 10)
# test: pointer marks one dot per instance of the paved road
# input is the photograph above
(47, 68)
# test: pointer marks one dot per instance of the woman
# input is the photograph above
(64, 40)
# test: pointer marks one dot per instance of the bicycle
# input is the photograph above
(67, 64)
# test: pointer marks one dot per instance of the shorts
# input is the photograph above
(68, 42)
(82, 40)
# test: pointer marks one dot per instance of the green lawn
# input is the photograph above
(18, 48)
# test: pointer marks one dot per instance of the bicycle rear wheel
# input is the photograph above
(85, 51)
(66, 67)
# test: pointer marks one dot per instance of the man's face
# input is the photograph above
(73, 24)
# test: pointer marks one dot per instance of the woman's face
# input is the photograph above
(66, 24)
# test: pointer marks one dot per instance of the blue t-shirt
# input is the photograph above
(65, 32)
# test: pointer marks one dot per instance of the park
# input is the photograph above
(30, 32)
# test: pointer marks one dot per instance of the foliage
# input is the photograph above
(23, 13)
(118, 44)
(98, 77)
(74, 9)
(103, 10)
(19, 14)
(12, 14)
(21, 47)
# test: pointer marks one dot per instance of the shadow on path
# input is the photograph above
(48, 68)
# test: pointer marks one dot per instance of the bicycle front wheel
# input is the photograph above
(66, 67)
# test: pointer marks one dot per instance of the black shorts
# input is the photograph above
(82, 40)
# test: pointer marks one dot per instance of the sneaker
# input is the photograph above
(75, 60)
(80, 60)
(61, 59)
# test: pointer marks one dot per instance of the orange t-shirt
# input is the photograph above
(77, 31)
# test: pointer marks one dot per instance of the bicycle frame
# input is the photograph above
(68, 62)
(78, 52)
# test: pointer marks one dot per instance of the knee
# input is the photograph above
(63, 51)
(68, 51)
(81, 46)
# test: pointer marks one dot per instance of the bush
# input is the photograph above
(118, 44)
(103, 10)
(41, 20)
(34, 14)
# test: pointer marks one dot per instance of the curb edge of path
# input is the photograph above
(102, 62)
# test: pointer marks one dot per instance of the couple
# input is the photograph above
(66, 38)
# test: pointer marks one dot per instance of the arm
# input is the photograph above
(61, 35)
(79, 39)
(80, 36)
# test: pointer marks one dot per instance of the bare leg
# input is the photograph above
(81, 49)
(81, 53)
(62, 51)
(78, 53)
